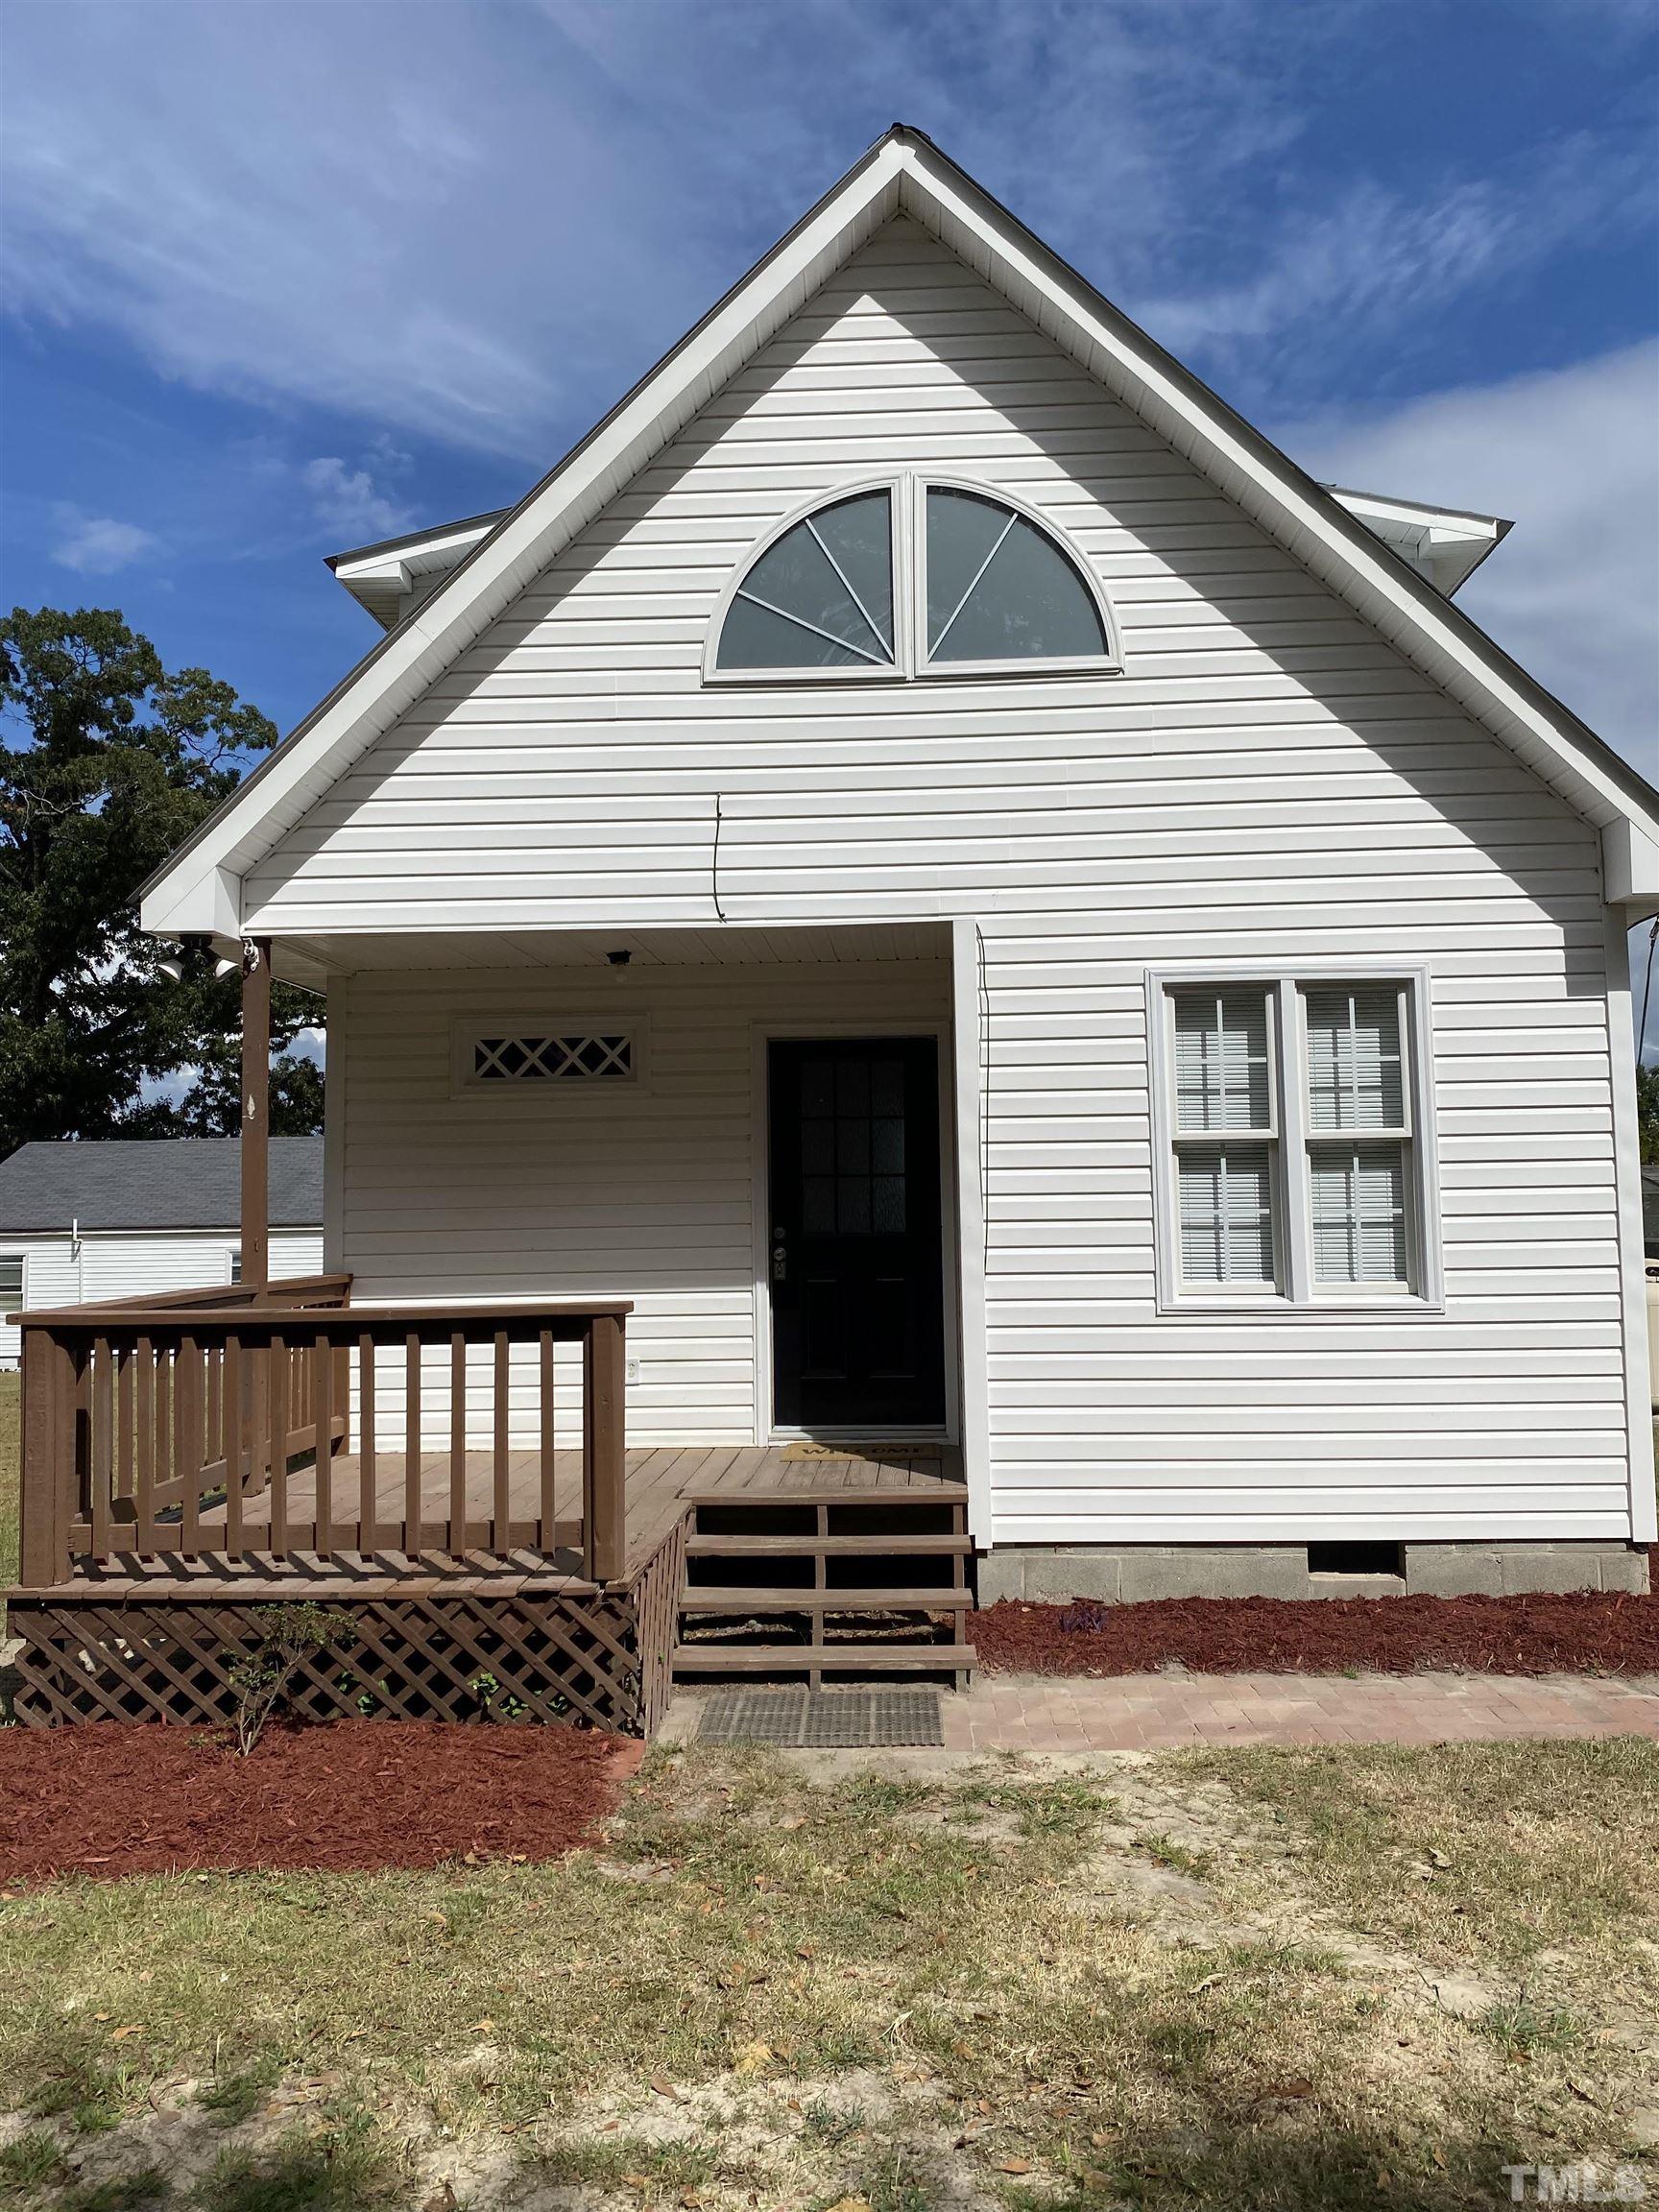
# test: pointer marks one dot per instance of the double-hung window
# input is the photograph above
(1295, 1160)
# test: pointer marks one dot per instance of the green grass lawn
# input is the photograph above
(1297, 1981)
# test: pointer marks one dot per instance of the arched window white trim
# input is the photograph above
(857, 632)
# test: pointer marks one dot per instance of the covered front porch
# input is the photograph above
(570, 1360)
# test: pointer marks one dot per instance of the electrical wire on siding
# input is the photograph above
(715, 864)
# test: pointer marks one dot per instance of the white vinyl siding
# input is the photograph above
(1265, 781)
(138, 1263)
(590, 1189)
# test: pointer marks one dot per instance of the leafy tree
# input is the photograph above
(1647, 1113)
(107, 762)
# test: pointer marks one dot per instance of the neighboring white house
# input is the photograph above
(124, 1216)
(934, 860)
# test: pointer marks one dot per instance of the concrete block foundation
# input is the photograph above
(1128, 1574)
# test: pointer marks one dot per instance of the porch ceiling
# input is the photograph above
(304, 958)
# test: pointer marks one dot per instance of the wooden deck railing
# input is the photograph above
(208, 1422)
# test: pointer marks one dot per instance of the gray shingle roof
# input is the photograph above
(158, 1183)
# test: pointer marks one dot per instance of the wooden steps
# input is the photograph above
(736, 1597)
(811, 1547)
(959, 1659)
(901, 1611)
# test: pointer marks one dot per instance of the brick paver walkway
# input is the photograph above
(1159, 1711)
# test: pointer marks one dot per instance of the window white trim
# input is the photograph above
(466, 1033)
(908, 492)
(1291, 1141)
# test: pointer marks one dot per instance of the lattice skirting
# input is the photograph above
(555, 1656)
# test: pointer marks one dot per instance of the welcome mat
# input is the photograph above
(824, 1720)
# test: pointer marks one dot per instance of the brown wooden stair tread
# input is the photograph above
(805, 1542)
(728, 1598)
(866, 1658)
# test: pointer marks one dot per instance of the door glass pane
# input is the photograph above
(887, 1147)
(853, 1087)
(1356, 1069)
(1359, 1206)
(853, 1205)
(887, 1214)
(1027, 603)
(887, 1087)
(1223, 1076)
(817, 1148)
(818, 1205)
(818, 1087)
(1226, 1213)
(853, 1145)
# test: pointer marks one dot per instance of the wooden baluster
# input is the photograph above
(144, 1444)
(187, 1439)
(501, 1532)
(124, 1424)
(603, 1461)
(544, 1535)
(412, 1531)
(102, 1462)
(213, 1449)
(230, 1442)
(165, 1470)
(322, 1419)
(368, 1505)
(342, 1393)
(70, 1392)
(457, 1443)
(277, 1410)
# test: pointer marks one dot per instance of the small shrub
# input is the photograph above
(288, 1635)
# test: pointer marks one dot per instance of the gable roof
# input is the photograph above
(154, 1183)
(200, 888)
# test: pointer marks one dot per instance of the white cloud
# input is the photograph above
(1572, 457)
(348, 501)
(98, 545)
(481, 228)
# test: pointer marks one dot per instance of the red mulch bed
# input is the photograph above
(1588, 1634)
(110, 1798)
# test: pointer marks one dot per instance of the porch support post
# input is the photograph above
(604, 1449)
(255, 1111)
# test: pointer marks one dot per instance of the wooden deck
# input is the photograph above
(663, 1485)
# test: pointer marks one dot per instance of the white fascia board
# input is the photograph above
(430, 638)
(1277, 494)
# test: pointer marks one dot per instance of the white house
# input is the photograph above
(930, 857)
(126, 1217)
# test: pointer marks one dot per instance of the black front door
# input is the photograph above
(858, 1309)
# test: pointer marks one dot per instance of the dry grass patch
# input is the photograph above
(998, 1988)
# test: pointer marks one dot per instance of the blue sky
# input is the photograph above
(283, 278)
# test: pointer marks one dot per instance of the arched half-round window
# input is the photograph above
(999, 588)
(820, 595)
(913, 578)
